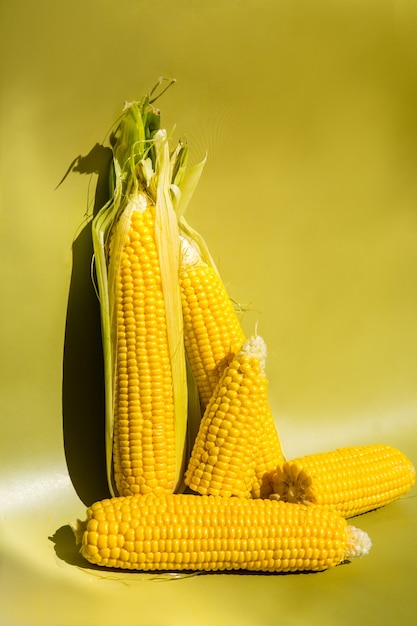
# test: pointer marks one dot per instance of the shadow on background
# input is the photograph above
(83, 370)
(66, 547)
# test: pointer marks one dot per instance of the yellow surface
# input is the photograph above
(308, 203)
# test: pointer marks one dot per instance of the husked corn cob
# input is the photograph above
(212, 331)
(351, 480)
(144, 415)
(186, 532)
(226, 449)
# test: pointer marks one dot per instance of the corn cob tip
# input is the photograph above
(358, 543)
(190, 255)
(255, 347)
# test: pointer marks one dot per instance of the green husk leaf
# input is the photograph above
(167, 234)
(100, 229)
(184, 180)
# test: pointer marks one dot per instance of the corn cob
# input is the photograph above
(203, 533)
(223, 457)
(144, 414)
(225, 453)
(212, 331)
(351, 480)
(136, 243)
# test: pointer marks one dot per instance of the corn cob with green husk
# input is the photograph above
(205, 533)
(351, 480)
(136, 244)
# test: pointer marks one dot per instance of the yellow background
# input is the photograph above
(307, 111)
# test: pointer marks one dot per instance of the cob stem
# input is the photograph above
(293, 484)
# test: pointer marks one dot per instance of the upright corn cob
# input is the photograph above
(136, 243)
(212, 331)
(225, 453)
(351, 480)
(144, 414)
(203, 533)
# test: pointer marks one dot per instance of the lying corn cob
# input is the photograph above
(212, 331)
(225, 453)
(186, 532)
(351, 480)
(136, 244)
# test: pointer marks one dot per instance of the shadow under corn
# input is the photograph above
(83, 404)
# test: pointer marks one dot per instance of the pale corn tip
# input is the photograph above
(189, 253)
(138, 202)
(358, 543)
(255, 347)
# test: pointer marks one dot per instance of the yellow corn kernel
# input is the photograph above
(225, 453)
(351, 480)
(212, 331)
(143, 400)
(203, 533)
